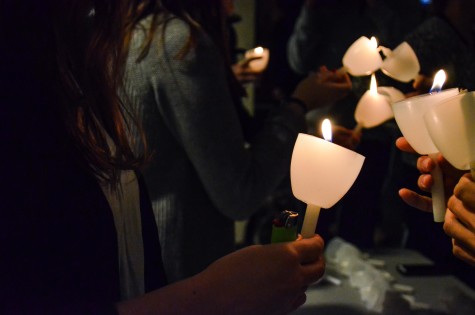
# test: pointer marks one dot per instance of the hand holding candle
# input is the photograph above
(409, 115)
(321, 173)
(260, 56)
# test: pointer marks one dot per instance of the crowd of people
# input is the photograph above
(128, 157)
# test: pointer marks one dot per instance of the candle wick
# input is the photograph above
(435, 90)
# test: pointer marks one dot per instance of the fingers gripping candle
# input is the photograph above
(321, 173)
(409, 115)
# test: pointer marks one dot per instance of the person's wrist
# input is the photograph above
(296, 102)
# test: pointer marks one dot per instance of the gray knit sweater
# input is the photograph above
(202, 177)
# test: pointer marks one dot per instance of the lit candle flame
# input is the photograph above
(327, 129)
(374, 42)
(373, 87)
(259, 50)
(439, 80)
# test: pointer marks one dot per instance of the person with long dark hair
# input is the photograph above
(207, 169)
(77, 234)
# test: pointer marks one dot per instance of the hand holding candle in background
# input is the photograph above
(252, 66)
(323, 87)
(460, 219)
(257, 58)
(245, 74)
(426, 165)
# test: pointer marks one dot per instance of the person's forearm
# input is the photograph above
(190, 296)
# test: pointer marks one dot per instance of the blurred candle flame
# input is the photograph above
(439, 80)
(259, 50)
(327, 129)
(373, 87)
(374, 42)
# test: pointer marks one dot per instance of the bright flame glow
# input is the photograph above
(259, 50)
(373, 87)
(439, 80)
(374, 42)
(327, 129)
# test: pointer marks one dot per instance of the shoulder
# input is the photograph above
(434, 27)
(170, 32)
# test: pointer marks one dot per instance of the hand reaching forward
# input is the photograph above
(425, 165)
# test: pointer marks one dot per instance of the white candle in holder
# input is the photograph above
(362, 57)
(409, 115)
(321, 173)
(373, 108)
(451, 126)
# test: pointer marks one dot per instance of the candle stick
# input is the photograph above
(437, 191)
(310, 221)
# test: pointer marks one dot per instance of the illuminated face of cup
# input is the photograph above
(451, 125)
(322, 172)
(362, 57)
(402, 63)
(373, 108)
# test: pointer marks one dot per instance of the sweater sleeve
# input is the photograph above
(195, 100)
(304, 41)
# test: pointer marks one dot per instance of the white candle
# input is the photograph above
(321, 173)
(401, 64)
(373, 108)
(362, 57)
(258, 65)
(409, 115)
(451, 126)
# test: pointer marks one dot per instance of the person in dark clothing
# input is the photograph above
(77, 233)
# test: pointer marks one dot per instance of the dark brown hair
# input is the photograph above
(76, 51)
(202, 15)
